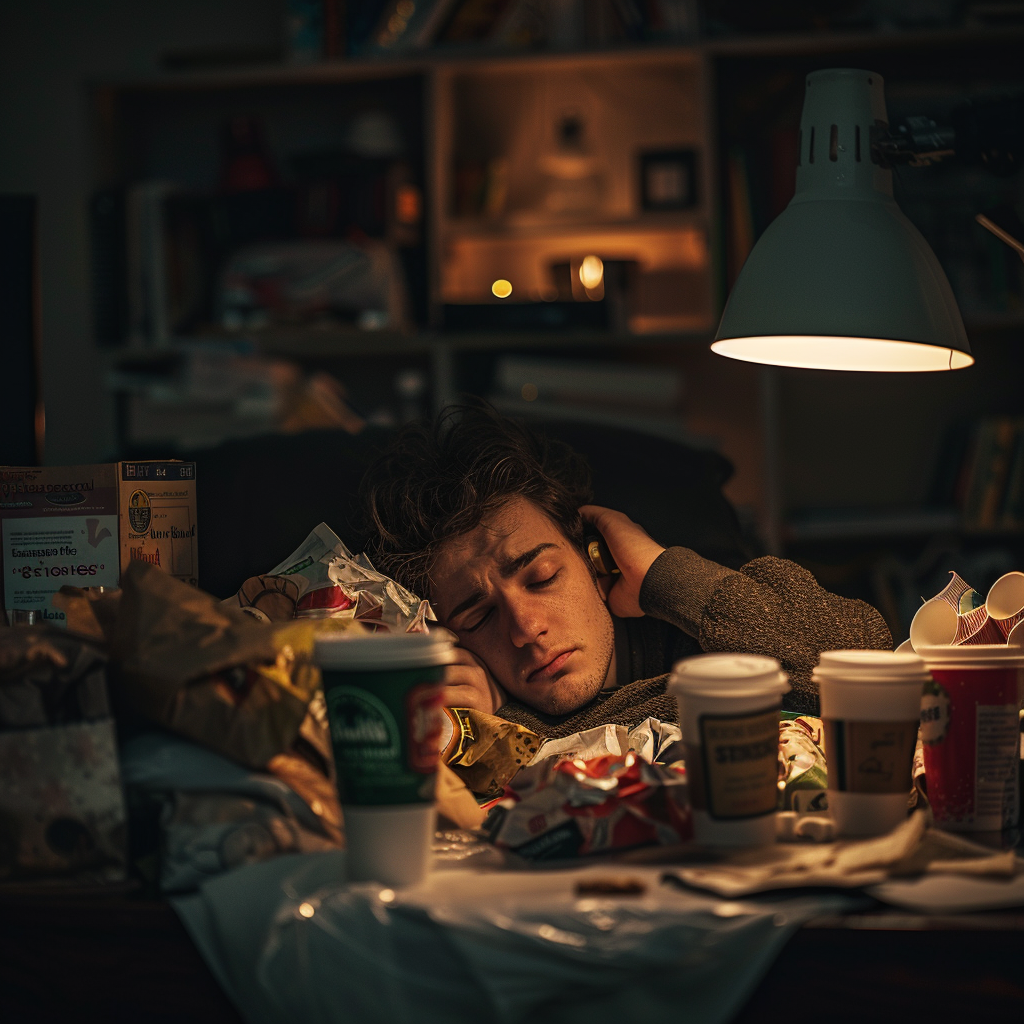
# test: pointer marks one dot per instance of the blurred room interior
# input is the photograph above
(258, 218)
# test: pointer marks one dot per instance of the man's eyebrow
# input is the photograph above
(513, 565)
(473, 599)
(507, 569)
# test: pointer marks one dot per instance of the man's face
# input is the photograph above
(519, 596)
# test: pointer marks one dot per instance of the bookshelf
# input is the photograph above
(482, 130)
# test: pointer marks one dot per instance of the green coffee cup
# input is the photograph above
(383, 695)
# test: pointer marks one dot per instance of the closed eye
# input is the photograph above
(541, 584)
(476, 625)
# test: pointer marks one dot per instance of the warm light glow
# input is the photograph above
(306, 909)
(501, 288)
(591, 271)
(529, 392)
(387, 895)
(824, 353)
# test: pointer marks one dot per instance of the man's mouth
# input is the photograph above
(551, 668)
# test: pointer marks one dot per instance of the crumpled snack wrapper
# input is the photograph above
(211, 673)
(651, 741)
(573, 808)
(484, 751)
(803, 773)
(322, 579)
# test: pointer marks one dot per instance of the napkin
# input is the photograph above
(913, 848)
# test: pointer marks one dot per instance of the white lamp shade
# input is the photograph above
(842, 280)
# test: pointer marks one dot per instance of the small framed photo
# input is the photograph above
(668, 179)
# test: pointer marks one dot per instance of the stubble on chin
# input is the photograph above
(571, 694)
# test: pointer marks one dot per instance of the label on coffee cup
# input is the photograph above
(385, 733)
(870, 757)
(735, 769)
(934, 713)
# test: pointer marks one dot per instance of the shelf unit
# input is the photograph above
(784, 430)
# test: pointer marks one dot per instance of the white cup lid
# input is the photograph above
(870, 667)
(381, 651)
(728, 674)
(972, 656)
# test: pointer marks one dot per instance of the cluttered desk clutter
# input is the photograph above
(515, 760)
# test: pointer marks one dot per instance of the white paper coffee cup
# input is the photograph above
(871, 708)
(934, 622)
(729, 708)
(1005, 601)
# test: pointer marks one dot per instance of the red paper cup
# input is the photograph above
(970, 732)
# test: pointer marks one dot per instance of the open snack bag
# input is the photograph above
(322, 579)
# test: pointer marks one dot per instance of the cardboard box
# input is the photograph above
(78, 525)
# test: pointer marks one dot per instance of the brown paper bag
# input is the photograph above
(209, 672)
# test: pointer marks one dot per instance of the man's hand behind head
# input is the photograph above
(634, 552)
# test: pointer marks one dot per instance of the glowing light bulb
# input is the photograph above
(501, 288)
(306, 909)
(591, 271)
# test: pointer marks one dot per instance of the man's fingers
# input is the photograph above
(463, 675)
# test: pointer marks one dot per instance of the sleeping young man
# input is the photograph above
(488, 520)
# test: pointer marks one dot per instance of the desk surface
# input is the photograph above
(75, 956)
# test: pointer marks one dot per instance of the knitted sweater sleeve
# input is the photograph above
(770, 606)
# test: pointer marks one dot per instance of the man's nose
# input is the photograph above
(525, 621)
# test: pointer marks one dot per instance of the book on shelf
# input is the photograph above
(405, 25)
(991, 484)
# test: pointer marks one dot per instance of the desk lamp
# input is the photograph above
(841, 279)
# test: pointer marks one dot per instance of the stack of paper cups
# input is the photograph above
(942, 620)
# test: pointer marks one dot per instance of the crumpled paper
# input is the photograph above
(322, 579)
(650, 741)
(910, 849)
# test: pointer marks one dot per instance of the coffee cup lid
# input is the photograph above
(972, 656)
(380, 651)
(728, 674)
(870, 666)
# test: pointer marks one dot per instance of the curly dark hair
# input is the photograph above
(439, 481)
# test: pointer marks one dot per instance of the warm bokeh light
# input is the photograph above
(591, 271)
(306, 909)
(529, 392)
(827, 353)
(501, 288)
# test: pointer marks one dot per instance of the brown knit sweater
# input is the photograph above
(770, 606)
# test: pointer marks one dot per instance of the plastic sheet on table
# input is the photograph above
(289, 940)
